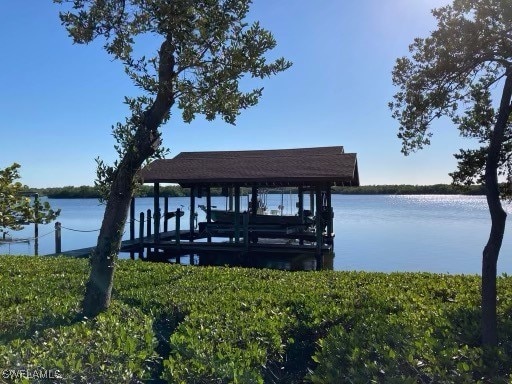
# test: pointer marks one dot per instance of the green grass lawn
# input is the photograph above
(231, 325)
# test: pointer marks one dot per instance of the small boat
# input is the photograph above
(220, 216)
(13, 240)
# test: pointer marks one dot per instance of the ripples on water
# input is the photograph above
(435, 233)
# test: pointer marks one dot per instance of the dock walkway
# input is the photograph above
(169, 245)
(126, 245)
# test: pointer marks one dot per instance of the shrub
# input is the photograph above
(231, 325)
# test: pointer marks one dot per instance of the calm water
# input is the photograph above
(374, 233)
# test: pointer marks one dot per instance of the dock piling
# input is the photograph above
(132, 219)
(166, 213)
(156, 213)
(132, 225)
(148, 229)
(58, 237)
(246, 230)
(148, 223)
(318, 221)
(178, 230)
(141, 235)
(193, 192)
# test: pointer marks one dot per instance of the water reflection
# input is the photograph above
(298, 262)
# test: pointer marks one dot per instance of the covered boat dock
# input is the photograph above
(309, 172)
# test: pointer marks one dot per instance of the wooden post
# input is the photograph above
(36, 224)
(320, 262)
(132, 218)
(141, 235)
(148, 230)
(319, 221)
(301, 210)
(237, 214)
(148, 223)
(254, 201)
(209, 210)
(166, 211)
(312, 201)
(301, 204)
(230, 192)
(329, 213)
(230, 206)
(178, 233)
(156, 212)
(132, 224)
(246, 230)
(58, 237)
(192, 211)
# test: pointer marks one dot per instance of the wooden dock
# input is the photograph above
(171, 246)
(251, 231)
(126, 245)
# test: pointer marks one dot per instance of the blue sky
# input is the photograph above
(58, 100)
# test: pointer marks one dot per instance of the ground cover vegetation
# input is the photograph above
(229, 325)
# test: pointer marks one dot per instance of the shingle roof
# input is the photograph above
(300, 166)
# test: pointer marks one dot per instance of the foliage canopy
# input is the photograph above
(16, 209)
(208, 49)
(456, 72)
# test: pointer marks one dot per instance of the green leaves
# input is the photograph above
(195, 324)
(452, 73)
(42, 329)
(444, 67)
(211, 47)
(16, 209)
(207, 49)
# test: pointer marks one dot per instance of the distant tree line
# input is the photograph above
(91, 192)
(437, 189)
(69, 192)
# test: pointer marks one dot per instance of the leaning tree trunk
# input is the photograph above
(99, 286)
(498, 217)
(146, 141)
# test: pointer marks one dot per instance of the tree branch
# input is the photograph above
(165, 97)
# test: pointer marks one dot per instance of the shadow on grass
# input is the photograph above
(466, 330)
(165, 321)
(298, 360)
(40, 325)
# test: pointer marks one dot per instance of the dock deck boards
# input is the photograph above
(78, 253)
(167, 245)
(125, 245)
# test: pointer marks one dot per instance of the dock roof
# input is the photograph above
(276, 167)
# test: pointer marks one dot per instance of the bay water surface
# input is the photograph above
(386, 233)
